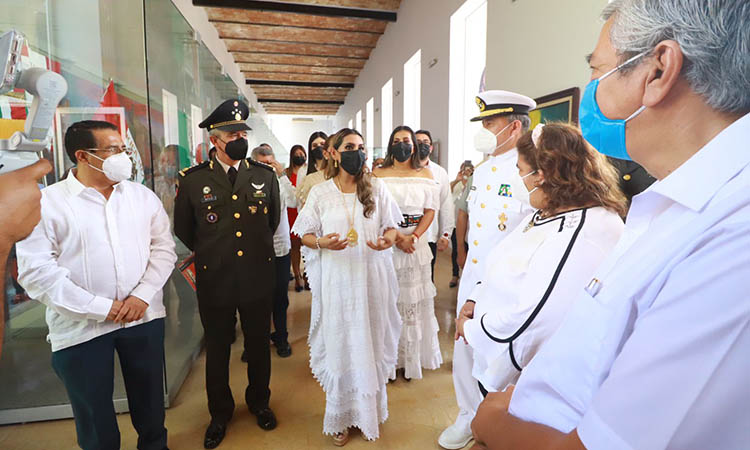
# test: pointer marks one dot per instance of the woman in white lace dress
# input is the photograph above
(417, 195)
(348, 225)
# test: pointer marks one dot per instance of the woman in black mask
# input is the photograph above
(295, 172)
(418, 197)
(318, 150)
(348, 226)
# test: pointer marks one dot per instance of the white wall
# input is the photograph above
(537, 47)
(421, 24)
(290, 132)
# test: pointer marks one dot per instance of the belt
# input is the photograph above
(410, 220)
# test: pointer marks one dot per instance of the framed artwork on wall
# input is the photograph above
(560, 106)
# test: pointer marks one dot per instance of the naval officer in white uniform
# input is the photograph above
(494, 203)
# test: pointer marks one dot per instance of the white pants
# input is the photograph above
(468, 395)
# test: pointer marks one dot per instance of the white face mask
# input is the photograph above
(486, 142)
(525, 195)
(116, 168)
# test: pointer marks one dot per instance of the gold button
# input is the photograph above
(626, 177)
(240, 253)
(204, 267)
(505, 206)
(209, 207)
(476, 243)
(260, 202)
(479, 225)
(234, 197)
(494, 169)
(238, 234)
(236, 215)
(489, 187)
(269, 259)
(474, 261)
(483, 205)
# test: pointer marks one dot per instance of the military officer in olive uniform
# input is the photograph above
(226, 211)
(493, 204)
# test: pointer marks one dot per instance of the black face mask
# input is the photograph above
(236, 149)
(401, 151)
(298, 160)
(352, 162)
(316, 153)
(424, 151)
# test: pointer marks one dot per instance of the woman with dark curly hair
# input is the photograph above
(533, 274)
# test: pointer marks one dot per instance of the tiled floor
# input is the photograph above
(419, 410)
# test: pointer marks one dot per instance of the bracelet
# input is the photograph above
(416, 235)
(317, 243)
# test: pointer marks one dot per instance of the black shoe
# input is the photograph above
(283, 349)
(298, 288)
(243, 358)
(266, 418)
(214, 435)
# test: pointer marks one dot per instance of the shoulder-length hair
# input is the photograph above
(363, 178)
(295, 147)
(311, 164)
(575, 174)
(414, 159)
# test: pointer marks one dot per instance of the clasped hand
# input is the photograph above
(128, 310)
(333, 241)
(381, 244)
(406, 243)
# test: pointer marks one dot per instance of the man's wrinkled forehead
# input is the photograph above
(604, 57)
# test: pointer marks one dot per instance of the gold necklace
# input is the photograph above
(352, 235)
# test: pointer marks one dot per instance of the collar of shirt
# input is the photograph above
(75, 187)
(699, 178)
(226, 166)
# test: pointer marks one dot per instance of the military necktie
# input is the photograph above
(232, 173)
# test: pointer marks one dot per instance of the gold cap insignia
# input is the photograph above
(481, 104)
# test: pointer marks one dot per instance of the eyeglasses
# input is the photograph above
(112, 150)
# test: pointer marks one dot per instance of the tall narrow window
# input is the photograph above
(386, 113)
(370, 125)
(413, 90)
(358, 121)
(350, 125)
(468, 53)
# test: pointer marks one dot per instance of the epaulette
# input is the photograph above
(184, 172)
(259, 164)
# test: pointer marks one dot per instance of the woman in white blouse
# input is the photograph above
(348, 225)
(418, 196)
(534, 273)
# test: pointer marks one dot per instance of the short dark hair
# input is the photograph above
(80, 136)
(426, 133)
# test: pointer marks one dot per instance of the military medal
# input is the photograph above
(265, 210)
(206, 189)
(212, 217)
(253, 209)
(502, 226)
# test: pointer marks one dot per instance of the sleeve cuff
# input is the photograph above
(473, 332)
(99, 308)
(144, 293)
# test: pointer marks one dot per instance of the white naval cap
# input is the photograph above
(494, 103)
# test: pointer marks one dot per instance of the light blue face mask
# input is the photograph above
(604, 134)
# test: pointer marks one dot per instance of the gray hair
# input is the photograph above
(215, 132)
(523, 118)
(260, 151)
(714, 36)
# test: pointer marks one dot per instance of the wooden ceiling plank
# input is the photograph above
(252, 67)
(304, 49)
(301, 35)
(378, 5)
(295, 20)
(279, 58)
(299, 77)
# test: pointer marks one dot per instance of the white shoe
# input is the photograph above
(455, 437)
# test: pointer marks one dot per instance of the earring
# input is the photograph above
(336, 164)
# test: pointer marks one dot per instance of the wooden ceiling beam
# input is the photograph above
(317, 70)
(301, 77)
(301, 113)
(293, 95)
(300, 89)
(290, 34)
(377, 9)
(279, 58)
(294, 20)
(304, 49)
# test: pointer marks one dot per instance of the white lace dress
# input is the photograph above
(418, 346)
(354, 324)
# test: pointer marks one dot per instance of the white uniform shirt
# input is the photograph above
(282, 242)
(445, 218)
(534, 267)
(655, 354)
(497, 198)
(88, 251)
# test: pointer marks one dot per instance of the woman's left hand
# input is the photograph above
(381, 244)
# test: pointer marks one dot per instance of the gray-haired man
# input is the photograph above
(654, 353)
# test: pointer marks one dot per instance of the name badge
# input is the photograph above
(505, 191)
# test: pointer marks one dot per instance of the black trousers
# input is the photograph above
(433, 247)
(218, 326)
(87, 371)
(454, 252)
(281, 299)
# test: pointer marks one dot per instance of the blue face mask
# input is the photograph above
(604, 134)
